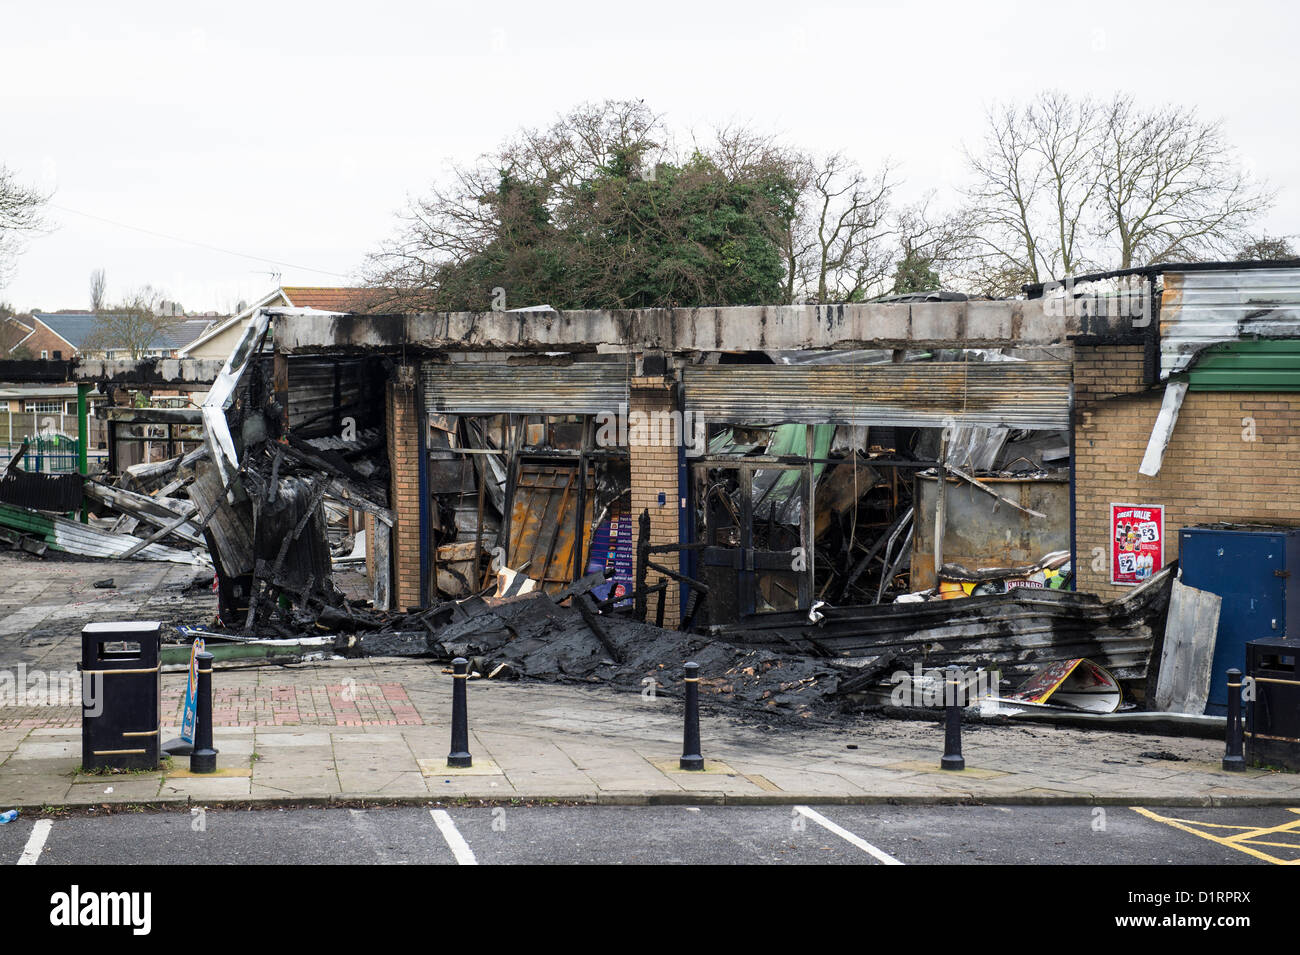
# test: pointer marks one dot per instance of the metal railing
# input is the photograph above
(46, 455)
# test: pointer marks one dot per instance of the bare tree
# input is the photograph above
(1035, 182)
(136, 325)
(1062, 185)
(1266, 248)
(98, 288)
(21, 215)
(933, 248)
(1171, 187)
(839, 245)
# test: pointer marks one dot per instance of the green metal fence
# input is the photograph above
(54, 454)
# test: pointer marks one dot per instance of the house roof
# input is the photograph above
(187, 330)
(326, 298)
(76, 327)
(39, 391)
(330, 299)
(13, 332)
(73, 327)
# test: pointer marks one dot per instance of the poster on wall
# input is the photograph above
(1137, 535)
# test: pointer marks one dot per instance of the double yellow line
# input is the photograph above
(1242, 838)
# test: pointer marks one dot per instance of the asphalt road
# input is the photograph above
(828, 835)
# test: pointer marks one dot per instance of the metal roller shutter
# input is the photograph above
(916, 394)
(592, 388)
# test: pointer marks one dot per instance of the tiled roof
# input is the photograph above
(72, 327)
(328, 299)
(76, 327)
(186, 330)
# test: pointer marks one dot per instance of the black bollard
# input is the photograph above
(459, 756)
(204, 758)
(952, 758)
(1232, 758)
(691, 758)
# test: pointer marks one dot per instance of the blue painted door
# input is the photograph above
(1243, 568)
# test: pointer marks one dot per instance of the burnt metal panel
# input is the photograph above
(581, 388)
(981, 531)
(323, 392)
(916, 394)
(542, 525)
(59, 493)
(1017, 633)
(1200, 309)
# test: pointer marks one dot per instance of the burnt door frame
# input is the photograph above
(745, 558)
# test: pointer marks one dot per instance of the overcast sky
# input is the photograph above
(293, 132)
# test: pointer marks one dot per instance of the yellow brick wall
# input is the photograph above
(654, 471)
(1211, 472)
(403, 420)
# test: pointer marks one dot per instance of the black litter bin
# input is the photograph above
(1272, 733)
(121, 703)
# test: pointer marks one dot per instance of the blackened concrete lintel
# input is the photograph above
(123, 371)
(974, 324)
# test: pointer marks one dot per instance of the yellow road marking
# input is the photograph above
(1287, 827)
(1234, 841)
(1212, 825)
(1280, 845)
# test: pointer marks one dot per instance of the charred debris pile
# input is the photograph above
(916, 546)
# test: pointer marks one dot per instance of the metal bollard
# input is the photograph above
(204, 758)
(459, 757)
(952, 758)
(1233, 761)
(691, 758)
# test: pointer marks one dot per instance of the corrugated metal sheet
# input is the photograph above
(1270, 365)
(82, 539)
(42, 492)
(920, 394)
(542, 524)
(590, 388)
(323, 392)
(1199, 309)
(1018, 633)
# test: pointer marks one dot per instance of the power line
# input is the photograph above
(201, 245)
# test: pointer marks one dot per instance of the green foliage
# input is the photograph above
(683, 236)
(915, 273)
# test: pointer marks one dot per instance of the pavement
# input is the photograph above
(378, 731)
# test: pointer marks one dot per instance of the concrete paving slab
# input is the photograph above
(439, 767)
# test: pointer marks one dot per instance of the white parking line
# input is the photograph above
(36, 842)
(847, 836)
(455, 841)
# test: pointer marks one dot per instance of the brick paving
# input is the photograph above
(349, 703)
(338, 704)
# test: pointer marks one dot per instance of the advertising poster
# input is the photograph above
(624, 558)
(1137, 535)
(191, 691)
